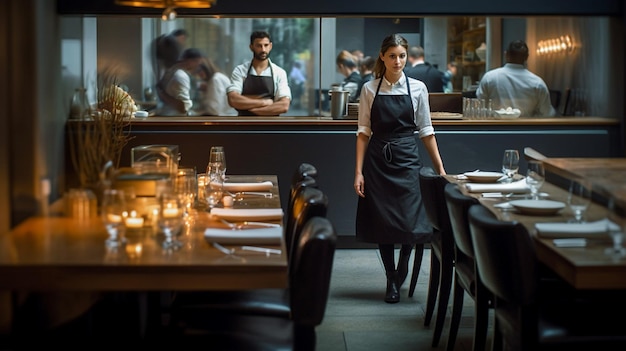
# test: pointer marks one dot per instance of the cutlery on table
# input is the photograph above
(266, 250)
(248, 225)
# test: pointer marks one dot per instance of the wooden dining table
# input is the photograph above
(59, 253)
(585, 268)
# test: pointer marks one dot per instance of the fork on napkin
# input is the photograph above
(514, 187)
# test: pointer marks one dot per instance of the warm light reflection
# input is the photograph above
(562, 44)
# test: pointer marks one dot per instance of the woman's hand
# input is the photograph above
(359, 185)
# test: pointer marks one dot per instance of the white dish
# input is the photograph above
(483, 177)
(268, 236)
(537, 207)
(245, 214)
(508, 113)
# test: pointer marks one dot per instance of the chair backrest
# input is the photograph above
(431, 187)
(505, 257)
(531, 154)
(296, 188)
(458, 204)
(312, 266)
(303, 170)
(309, 202)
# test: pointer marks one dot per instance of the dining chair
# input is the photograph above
(309, 290)
(529, 316)
(442, 250)
(188, 307)
(466, 278)
(303, 170)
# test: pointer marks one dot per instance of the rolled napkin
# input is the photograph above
(573, 230)
(252, 186)
(513, 187)
(248, 214)
(268, 236)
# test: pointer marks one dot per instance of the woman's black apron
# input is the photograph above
(261, 86)
(392, 211)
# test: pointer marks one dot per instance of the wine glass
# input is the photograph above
(113, 210)
(217, 160)
(535, 176)
(214, 188)
(579, 198)
(510, 164)
(186, 187)
(615, 227)
(171, 210)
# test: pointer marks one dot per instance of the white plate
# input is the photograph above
(483, 177)
(537, 207)
(245, 214)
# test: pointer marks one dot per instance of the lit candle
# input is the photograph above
(134, 250)
(113, 218)
(170, 212)
(134, 221)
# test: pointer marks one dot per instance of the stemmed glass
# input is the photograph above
(535, 176)
(615, 227)
(510, 164)
(186, 187)
(113, 208)
(579, 198)
(214, 188)
(171, 211)
(217, 160)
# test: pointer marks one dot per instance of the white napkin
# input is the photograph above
(514, 187)
(269, 236)
(572, 230)
(246, 214)
(255, 186)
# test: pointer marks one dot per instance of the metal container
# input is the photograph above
(339, 103)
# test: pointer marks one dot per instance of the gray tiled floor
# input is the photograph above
(357, 318)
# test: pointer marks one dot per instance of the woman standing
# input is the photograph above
(393, 109)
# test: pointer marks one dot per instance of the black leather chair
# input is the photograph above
(308, 296)
(187, 307)
(442, 250)
(528, 314)
(303, 170)
(466, 278)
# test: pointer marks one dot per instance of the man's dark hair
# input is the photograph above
(416, 52)
(179, 32)
(191, 53)
(259, 35)
(517, 52)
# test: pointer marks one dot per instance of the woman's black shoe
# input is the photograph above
(392, 295)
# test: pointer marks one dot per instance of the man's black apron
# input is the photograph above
(261, 86)
(392, 211)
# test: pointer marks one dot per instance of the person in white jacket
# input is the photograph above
(212, 99)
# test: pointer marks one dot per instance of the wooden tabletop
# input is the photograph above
(583, 267)
(62, 253)
(608, 175)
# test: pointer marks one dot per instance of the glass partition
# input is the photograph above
(125, 47)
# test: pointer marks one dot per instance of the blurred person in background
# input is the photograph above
(167, 50)
(366, 69)
(211, 97)
(513, 85)
(424, 71)
(174, 89)
(297, 79)
(447, 77)
(347, 66)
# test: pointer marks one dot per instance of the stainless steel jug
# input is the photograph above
(339, 103)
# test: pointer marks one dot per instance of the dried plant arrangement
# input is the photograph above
(100, 135)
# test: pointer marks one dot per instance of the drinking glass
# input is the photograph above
(615, 227)
(171, 211)
(579, 198)
(217, 160)
(214, 189)
(510, 163)
(186, 187)
(535, 177)
(113, 208)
